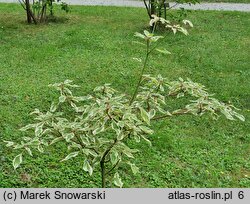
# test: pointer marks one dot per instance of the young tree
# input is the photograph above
(160, 7)
(98, 126)
(36, 11)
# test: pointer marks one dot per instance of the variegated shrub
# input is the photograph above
(97, 127)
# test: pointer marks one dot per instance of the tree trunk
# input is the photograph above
(43, 13)
(102, 163)
(30, 15)
(51, 7)
(152, 6)
(27, 5)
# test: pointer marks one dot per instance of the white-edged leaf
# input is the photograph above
(68, 136)
(17, 161)
(98, 130)
(134, 168)
(28, 150)
(239, 116)
(187, 22)
(148, 34)
(152, 113)
(137, 59)
(120, 136)
(146, 130)
(145, 116)
(183, 30)
(36, 111)
(39, 129)
(27, 127)
(114, 156)
(89, 152)
(53, 107)
(9, 143)
(62, 98)
(117, 180)
(71, 155)
(148, 141)
(139, 35)
(56, 140)
(87, 167)
(40, 148)
(128, 153)
(163, 51)
(85, 140)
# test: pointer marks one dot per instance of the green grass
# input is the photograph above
(93, 46)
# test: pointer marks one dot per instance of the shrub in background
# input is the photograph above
(38, 10)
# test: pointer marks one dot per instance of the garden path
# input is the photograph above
(138, 3)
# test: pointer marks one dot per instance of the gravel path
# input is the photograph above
(133, 3)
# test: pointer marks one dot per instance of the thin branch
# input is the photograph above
(148, 11)
(141, 74)
(84, 146)
(22, 4)
(170, 7)
(108, 150)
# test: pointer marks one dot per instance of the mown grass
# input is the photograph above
(93, 46)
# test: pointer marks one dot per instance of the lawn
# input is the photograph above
(93, 46)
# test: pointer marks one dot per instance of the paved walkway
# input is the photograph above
(139, 3)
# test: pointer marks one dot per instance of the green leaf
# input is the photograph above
(145, 116)
(117, 180)
(17, 161)
(87, 167)
(163, 51)
(71, 155)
